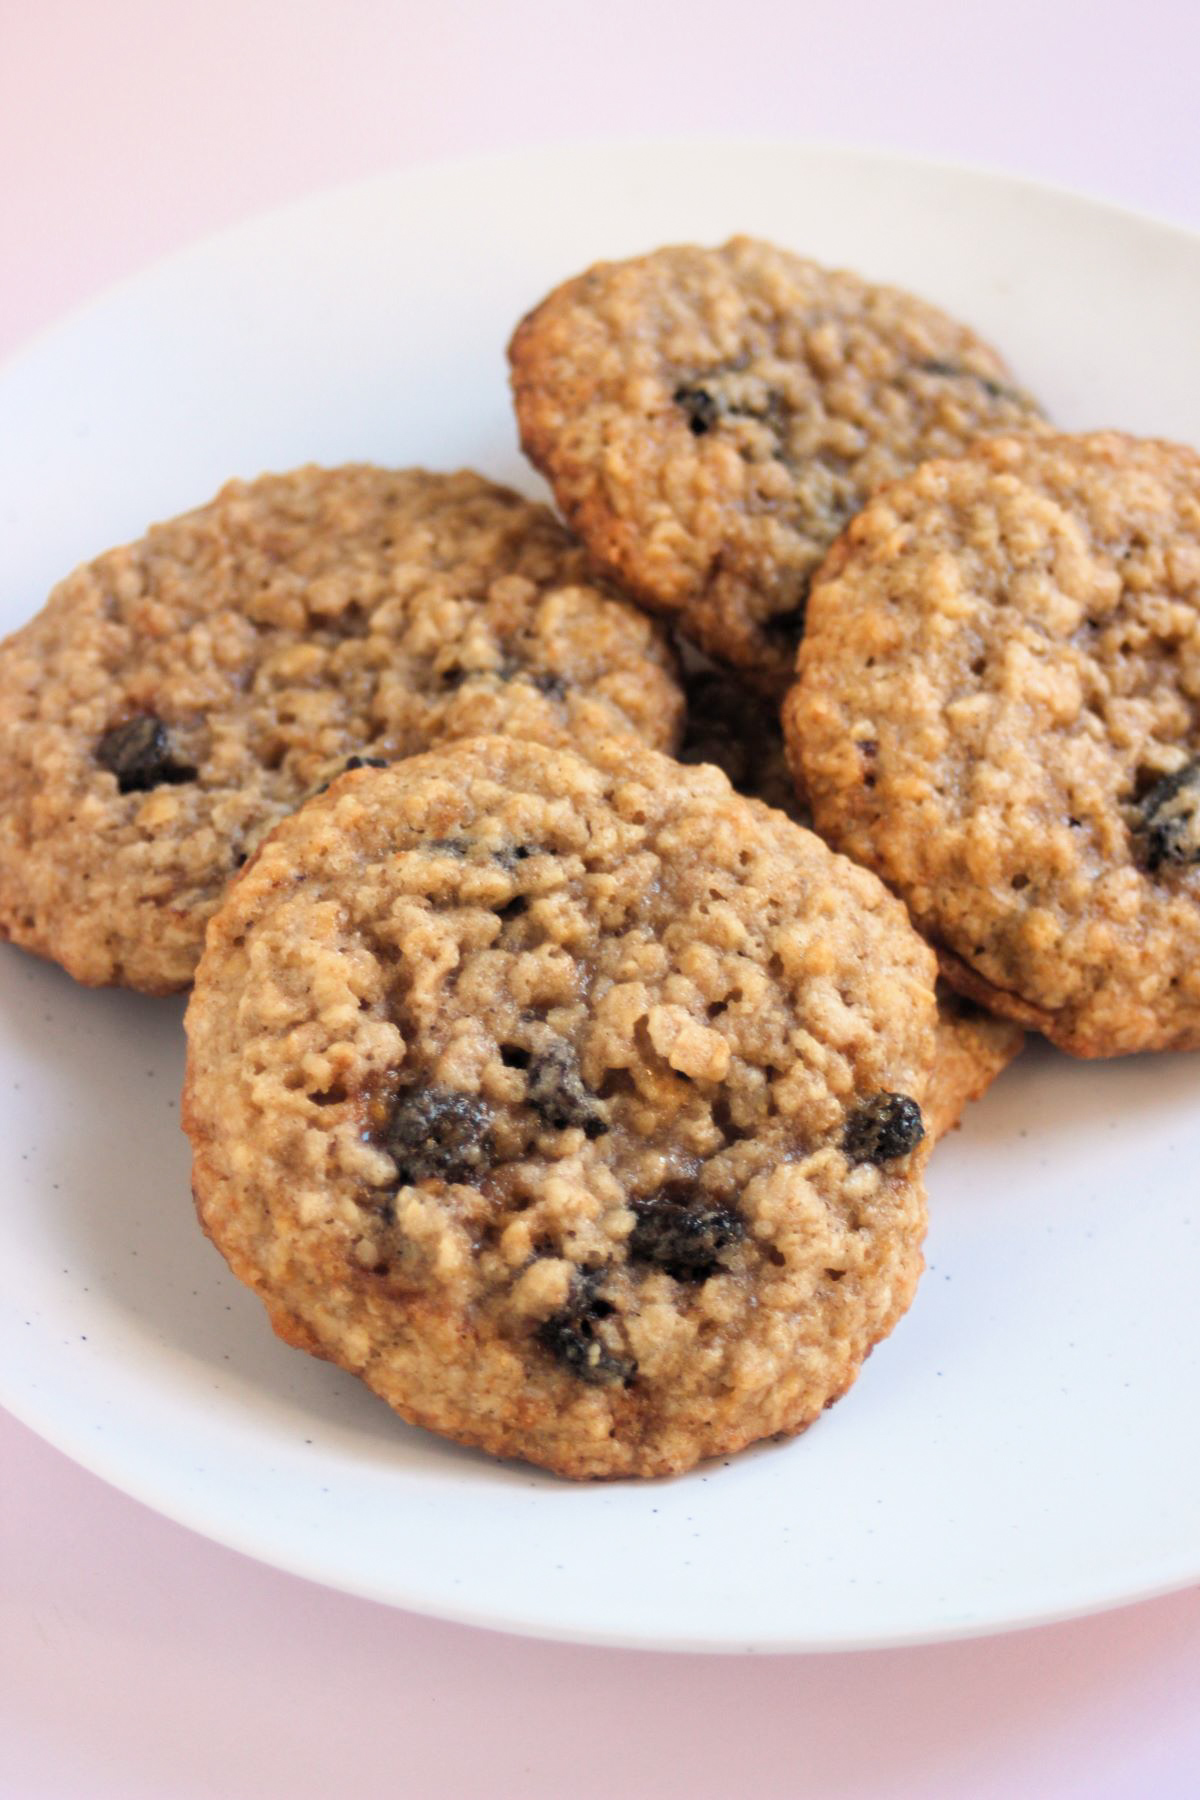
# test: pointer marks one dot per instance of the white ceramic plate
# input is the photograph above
(1025, 1446)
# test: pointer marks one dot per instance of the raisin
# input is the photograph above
(570, 1337)
(1170, 818)
(884, 1127)
(557, 1092)
(701, 408)
(682, 1232)
(553, 686)
(139, 754)
(439, 1132)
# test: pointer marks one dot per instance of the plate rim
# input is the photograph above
(842, 149)
(546, 1630)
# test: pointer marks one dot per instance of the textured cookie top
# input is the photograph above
(566, 1104)
(740, 732)
(175, 697)
(998, 708)
(710, 419)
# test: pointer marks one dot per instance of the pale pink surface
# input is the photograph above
(138, 1660)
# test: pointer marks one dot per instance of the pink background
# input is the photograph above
(138, 1660)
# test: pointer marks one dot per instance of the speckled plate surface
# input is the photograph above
(1024, 1447)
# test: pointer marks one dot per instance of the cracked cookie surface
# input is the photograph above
(998, 708)
(710, 420)
(176, 697)
(530, 1089)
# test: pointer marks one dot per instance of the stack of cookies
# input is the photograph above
(574, 1006)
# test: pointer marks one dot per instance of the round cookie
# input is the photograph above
(176, 697)
(729, 726)
(567, 1103)
(710, 419)
(998, 708)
